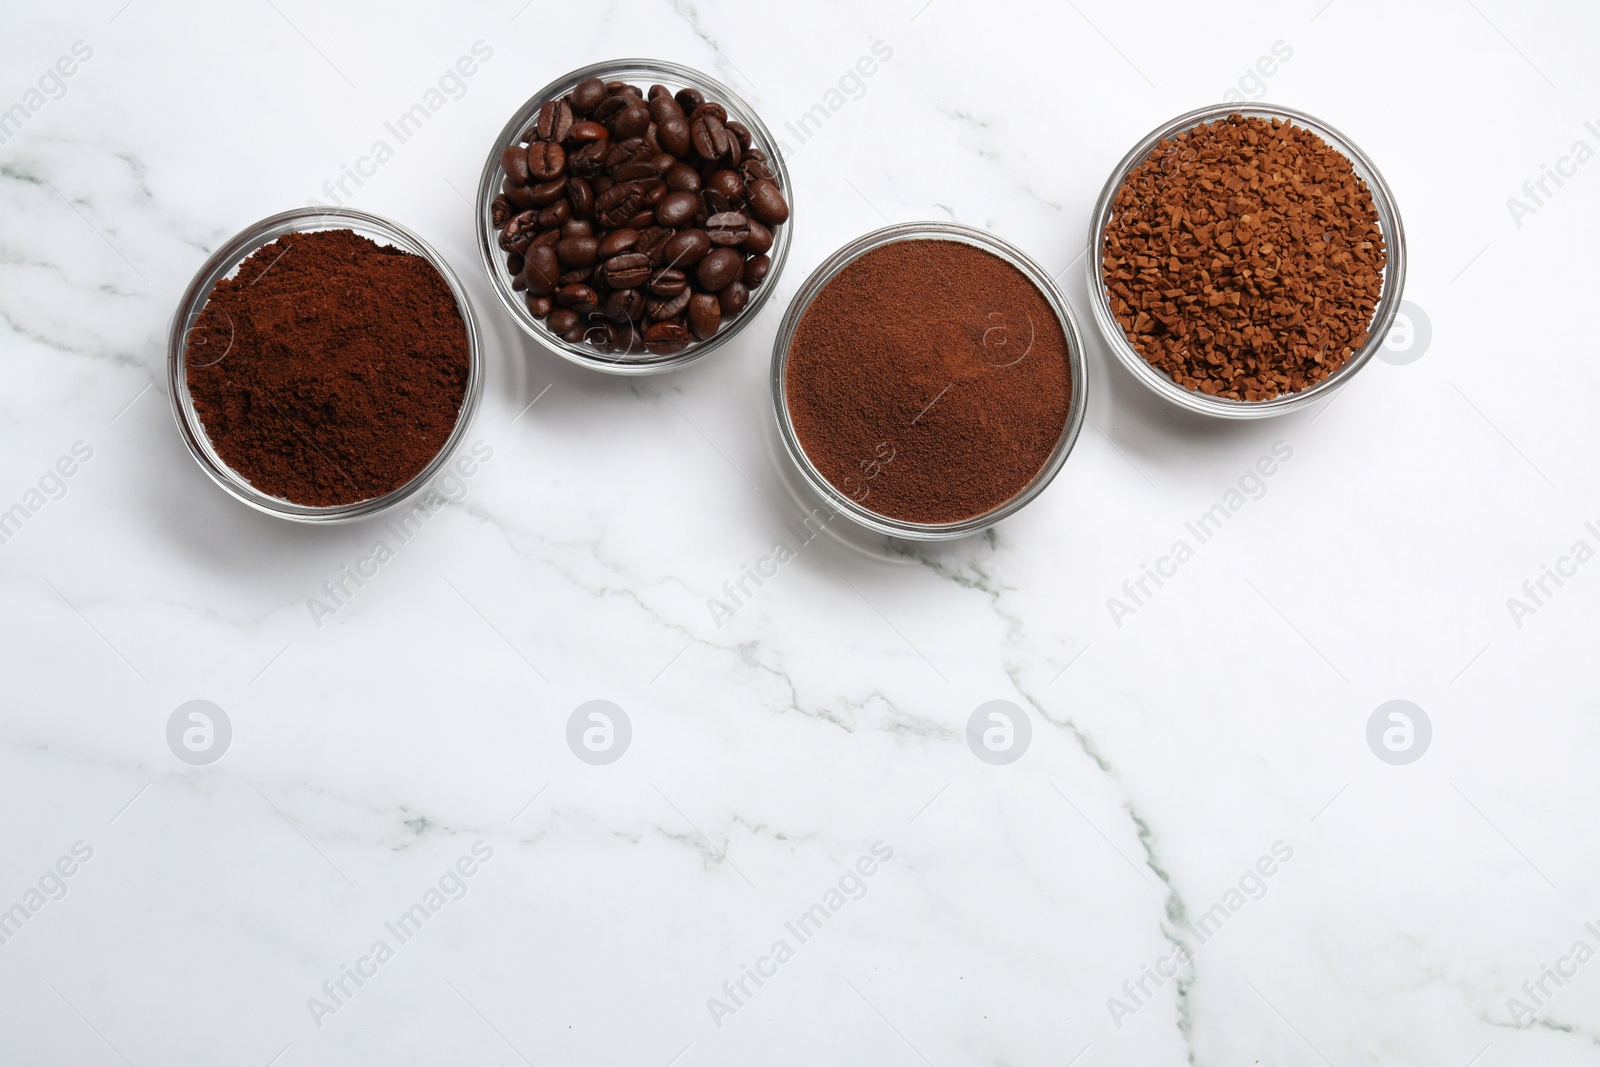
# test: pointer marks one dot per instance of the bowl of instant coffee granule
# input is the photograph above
(928, 380)
(1245, 260)
(324, 365)
(633, 216)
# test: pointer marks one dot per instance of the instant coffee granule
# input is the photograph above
(929, 381)
(1244, 258)
(329, 369)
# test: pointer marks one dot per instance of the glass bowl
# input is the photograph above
(836, 498)
(1394, 271)
(223, 263)
(643, 73)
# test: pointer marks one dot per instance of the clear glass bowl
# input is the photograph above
(223, 263)
(643, 73)
(1394, 272)
(928, 231)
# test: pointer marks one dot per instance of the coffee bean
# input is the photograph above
(543, 270)
(681, 176)
(709, 110)
(709, 137)
(585, 133)
(576, 227)
(546, 193)
(587, 94)
(587, 161)
(519, 231)
(520, 197)
(581, 196)
(629, 340)
(595, 335)
(663, 308)
(563, 320)
(500, 211)
(623, 305)
(627, 271)
(618, 204)
(665, 338)
(759, 241)
(689, 99)
(728, 228)
(663, 107)
(578, 251)
(756, 168)
(668, 282)
(617, 242)
(653, 243)
(539, 306)
(631, 123)
(546, 160)
(718, 269)
(729, 184)
(514, 263)
(705, 314)
(756, 269)
(687, 247)
(672, 133)
(767, 202)
(555, 121)
(733, 299)
(552, 217)
(572, 295)
(514, 161)
(741, 133)
(576, 276)
(677, 208)
(548, 237)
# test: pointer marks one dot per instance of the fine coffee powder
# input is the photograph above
(1244, 258)
(929, 381)
(329, 369)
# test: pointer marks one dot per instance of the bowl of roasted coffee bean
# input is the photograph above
(1245, 260)
(634, 215)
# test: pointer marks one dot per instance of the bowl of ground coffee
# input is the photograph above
(1245, 260)
(928, 380)
(634, 215)
(324, 365)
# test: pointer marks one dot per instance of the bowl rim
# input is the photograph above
(489, 188)
(1077, 366)
(1394, 272)
(223, 263)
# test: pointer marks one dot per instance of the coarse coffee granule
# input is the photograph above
(929, 381)
(1244, 258)
(329, 369)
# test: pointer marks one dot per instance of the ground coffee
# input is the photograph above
(1244, 258)
(929, 381)
(329, 369)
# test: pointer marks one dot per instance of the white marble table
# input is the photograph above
(1198, 775)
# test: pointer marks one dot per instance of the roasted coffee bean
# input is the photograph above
(662, 162)
(665, 338)
(767, 202)
(546, 193)
(759, 241)
(715, 202)
(576, 336)
(548, 237)
(705, 314)
(500, 211)
(670, 307)
(756, 269)
(576, 276)
(581, 196)
(629, 341)
(546, 160)
(634, 171)
(627, 271)
(587, 161)
(576, 227)
(587, 94)
(514, 263)
(729, 184)
(631, 150)
(756, 169)
(519, 283)
(520, 197)
(654, 189)
(573, 295)
(612, 106)
(514, 161)
(728, 228)
(631, 123)
(581, 250)
(552, 217)
(687, 247)
(681, 176)
(555, 121)
(622, 305)
(741, 133)
(563, 320)
(619, 203)
(539, 306)
(653, 243)
(617, 242)
(588, 133)
(689, 99)
(668, 282)
(645, 216)
(543, 270)
(519, 231)
(672, 133)
(676, 209)
(709, 136)
(733, 299)
(663, 107)
(718, 269)
(709, 110)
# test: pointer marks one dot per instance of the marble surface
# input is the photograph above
(1013, 914)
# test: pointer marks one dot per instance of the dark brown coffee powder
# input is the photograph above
(329, 369)
(929, 381)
